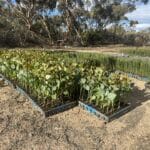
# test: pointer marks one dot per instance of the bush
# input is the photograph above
(136, 39)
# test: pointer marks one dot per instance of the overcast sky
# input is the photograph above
(141, 14)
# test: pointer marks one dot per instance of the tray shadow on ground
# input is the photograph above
(138, 97)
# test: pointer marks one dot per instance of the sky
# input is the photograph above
(142, 15)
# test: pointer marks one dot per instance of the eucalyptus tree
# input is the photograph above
(34, 20)
(44, 15)
(31, 13)
(73, 14)
(5, 21)
(107, 13)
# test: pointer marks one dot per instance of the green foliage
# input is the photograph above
(54, 79)
(99, 37)
(136, 65)
(104, 90)
(136, 39)
(144, 52)
(76, 22)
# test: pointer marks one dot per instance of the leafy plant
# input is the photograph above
(104, 90)
(142, 52)
(58, 78)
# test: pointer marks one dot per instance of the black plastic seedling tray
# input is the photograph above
(68, 106)
(102, 116)
(51, 111)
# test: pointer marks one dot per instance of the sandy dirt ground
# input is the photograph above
(24, 128)
(103, 49)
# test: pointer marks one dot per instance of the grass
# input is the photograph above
(135, 65)
(138, 66)
(143, 52)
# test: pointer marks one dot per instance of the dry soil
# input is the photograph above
(24, 128)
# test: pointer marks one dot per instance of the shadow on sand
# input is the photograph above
(138, 97)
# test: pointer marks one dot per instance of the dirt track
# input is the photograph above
(22, 127)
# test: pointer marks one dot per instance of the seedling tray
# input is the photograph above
(100, 115)
(48, 113)
(68, 106)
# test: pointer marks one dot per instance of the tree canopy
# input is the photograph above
(53, 22)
